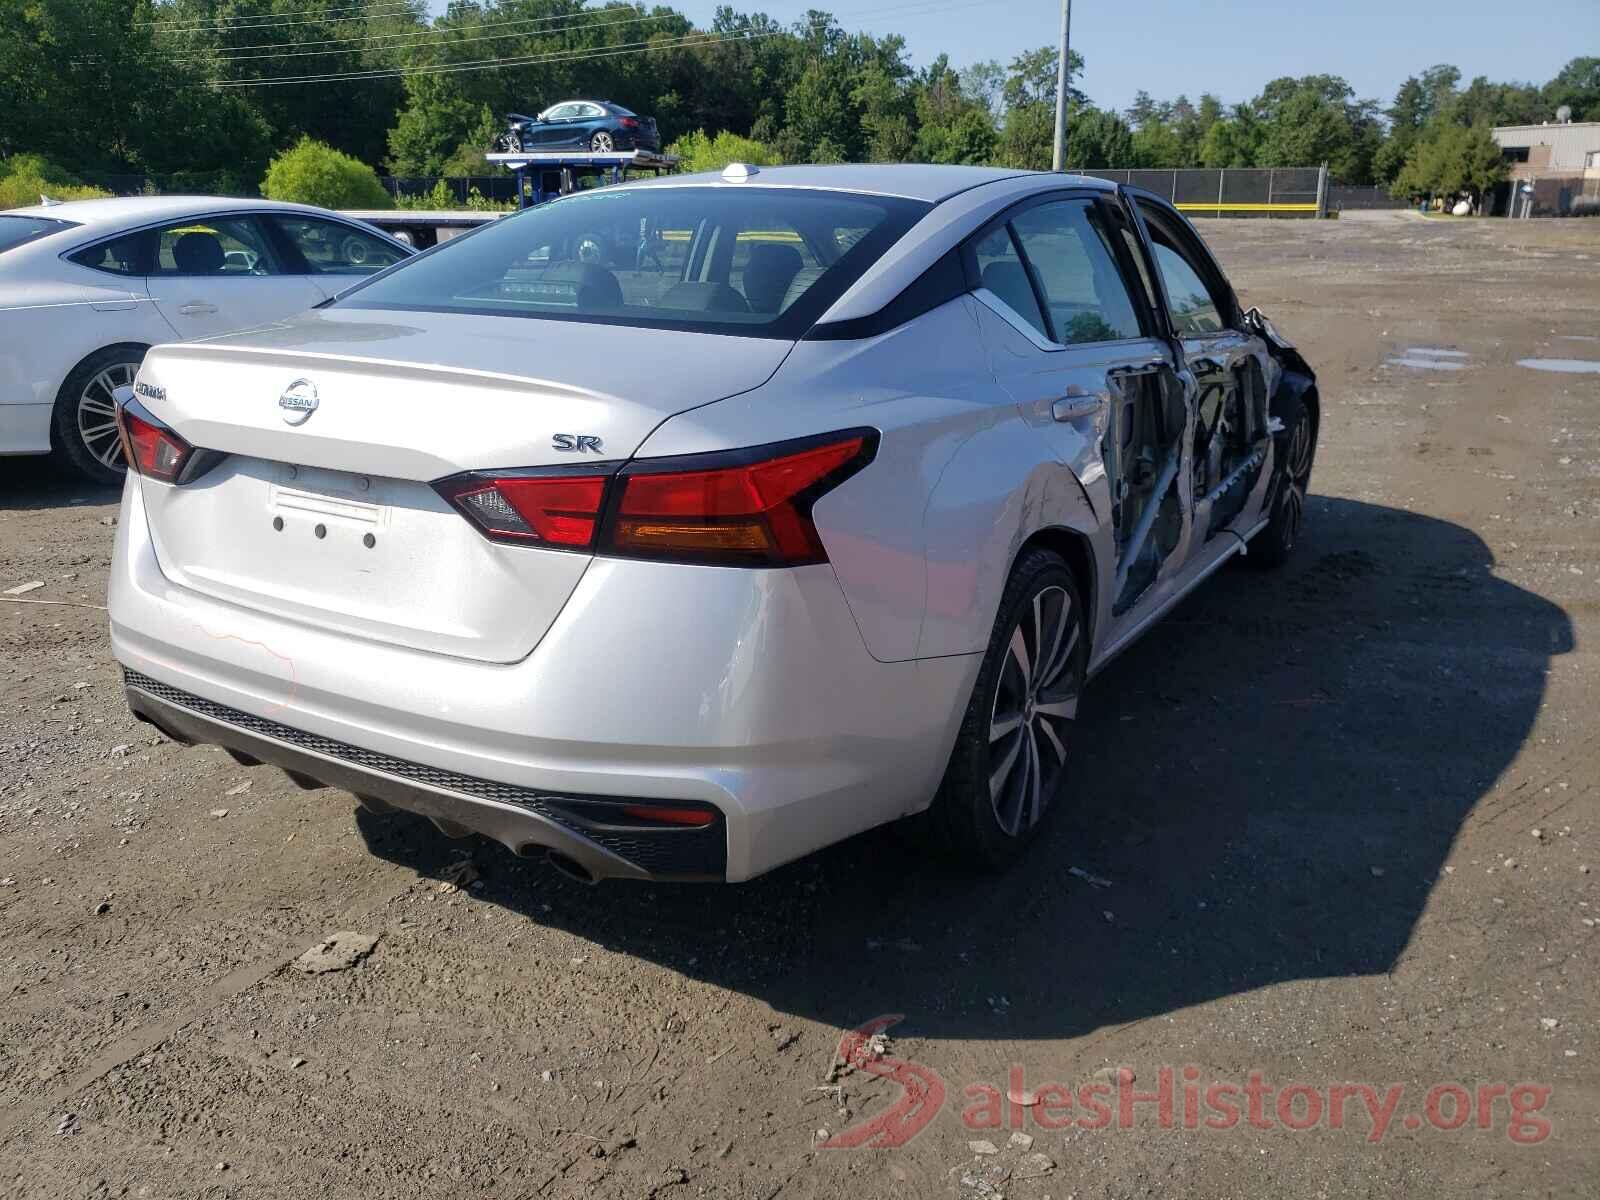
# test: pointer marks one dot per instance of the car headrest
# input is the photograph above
(1009, 281)
(800, 284)
(198, 253)
(704, 297)
(768, 273)
(592, 286)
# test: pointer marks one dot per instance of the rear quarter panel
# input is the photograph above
(47, 327)
(923, 539)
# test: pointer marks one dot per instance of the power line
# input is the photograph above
(424, 37)
(699, 38)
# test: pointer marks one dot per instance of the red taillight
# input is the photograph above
(753, 511)
(151, 448)
(744, 508)
(629, 122)
(559, 510)
(695, 818)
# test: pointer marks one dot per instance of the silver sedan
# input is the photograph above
(676, 530)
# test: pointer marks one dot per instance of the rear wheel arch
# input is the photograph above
(140, 348)
(1076, 549)
(65, 443)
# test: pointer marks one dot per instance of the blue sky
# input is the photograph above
(1230, 47)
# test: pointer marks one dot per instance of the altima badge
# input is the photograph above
(299, 401)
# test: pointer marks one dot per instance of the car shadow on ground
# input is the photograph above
(35, 481)
(1269, 782)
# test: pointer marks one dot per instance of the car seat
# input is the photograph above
(704, 297)
(197, 253)
(768, 273)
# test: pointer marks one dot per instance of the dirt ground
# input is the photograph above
(1346, 813)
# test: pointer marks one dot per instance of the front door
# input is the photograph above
(214, 275)
(1229, 442)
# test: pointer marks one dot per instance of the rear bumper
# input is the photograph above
(525, 821)
(750, 692)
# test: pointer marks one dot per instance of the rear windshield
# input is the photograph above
(751, 261)
(14, 231)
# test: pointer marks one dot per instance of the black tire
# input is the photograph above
(1294, 451)
(602, 142)
(82, 433)
(511, 142)
(968, 819)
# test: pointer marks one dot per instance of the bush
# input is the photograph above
(311, 172)
(701, 152)
(26, 177)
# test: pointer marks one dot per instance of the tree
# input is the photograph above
(1098, 140)
(1450, 159)
(1027, 135)
(701, 152)
(1576, 85)
(1156, 144)
(1232, 141)
(969, 137)
(24, 178)
(1143, 110)
(982, 83)
(821, 120)
(954, 117)
(311, 172)
(433, 126)
(1316, 119)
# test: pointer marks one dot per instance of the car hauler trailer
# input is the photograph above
(545, 174)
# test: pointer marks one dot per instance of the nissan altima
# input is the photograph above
(815, 513)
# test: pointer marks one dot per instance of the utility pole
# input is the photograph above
(1063, 76)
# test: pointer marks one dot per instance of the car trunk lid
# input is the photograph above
(324, 514)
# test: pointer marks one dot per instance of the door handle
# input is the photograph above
(197, 308)
(1076, 405)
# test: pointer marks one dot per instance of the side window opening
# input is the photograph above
(120, 256)
(1194, 309)
(1069, 252)
(214, 246)
(330, 248)
(1002, 271)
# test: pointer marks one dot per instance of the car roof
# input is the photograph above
(928, 182)
(116, 211)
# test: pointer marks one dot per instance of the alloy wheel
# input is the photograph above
(601, 143)
(1296, 478)
(97, 413)
(1036, 700)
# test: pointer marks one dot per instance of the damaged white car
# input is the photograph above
(815, 510)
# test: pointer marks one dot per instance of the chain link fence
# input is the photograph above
(1234, 191)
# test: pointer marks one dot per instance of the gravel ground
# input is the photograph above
(1345, 813)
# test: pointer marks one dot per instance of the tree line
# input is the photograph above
(210, 90)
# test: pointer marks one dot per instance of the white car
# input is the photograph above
(677, 529)
(87, 286)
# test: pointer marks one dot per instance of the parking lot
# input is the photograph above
(1332, 825)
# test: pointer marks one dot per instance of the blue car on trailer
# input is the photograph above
(595, 125)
